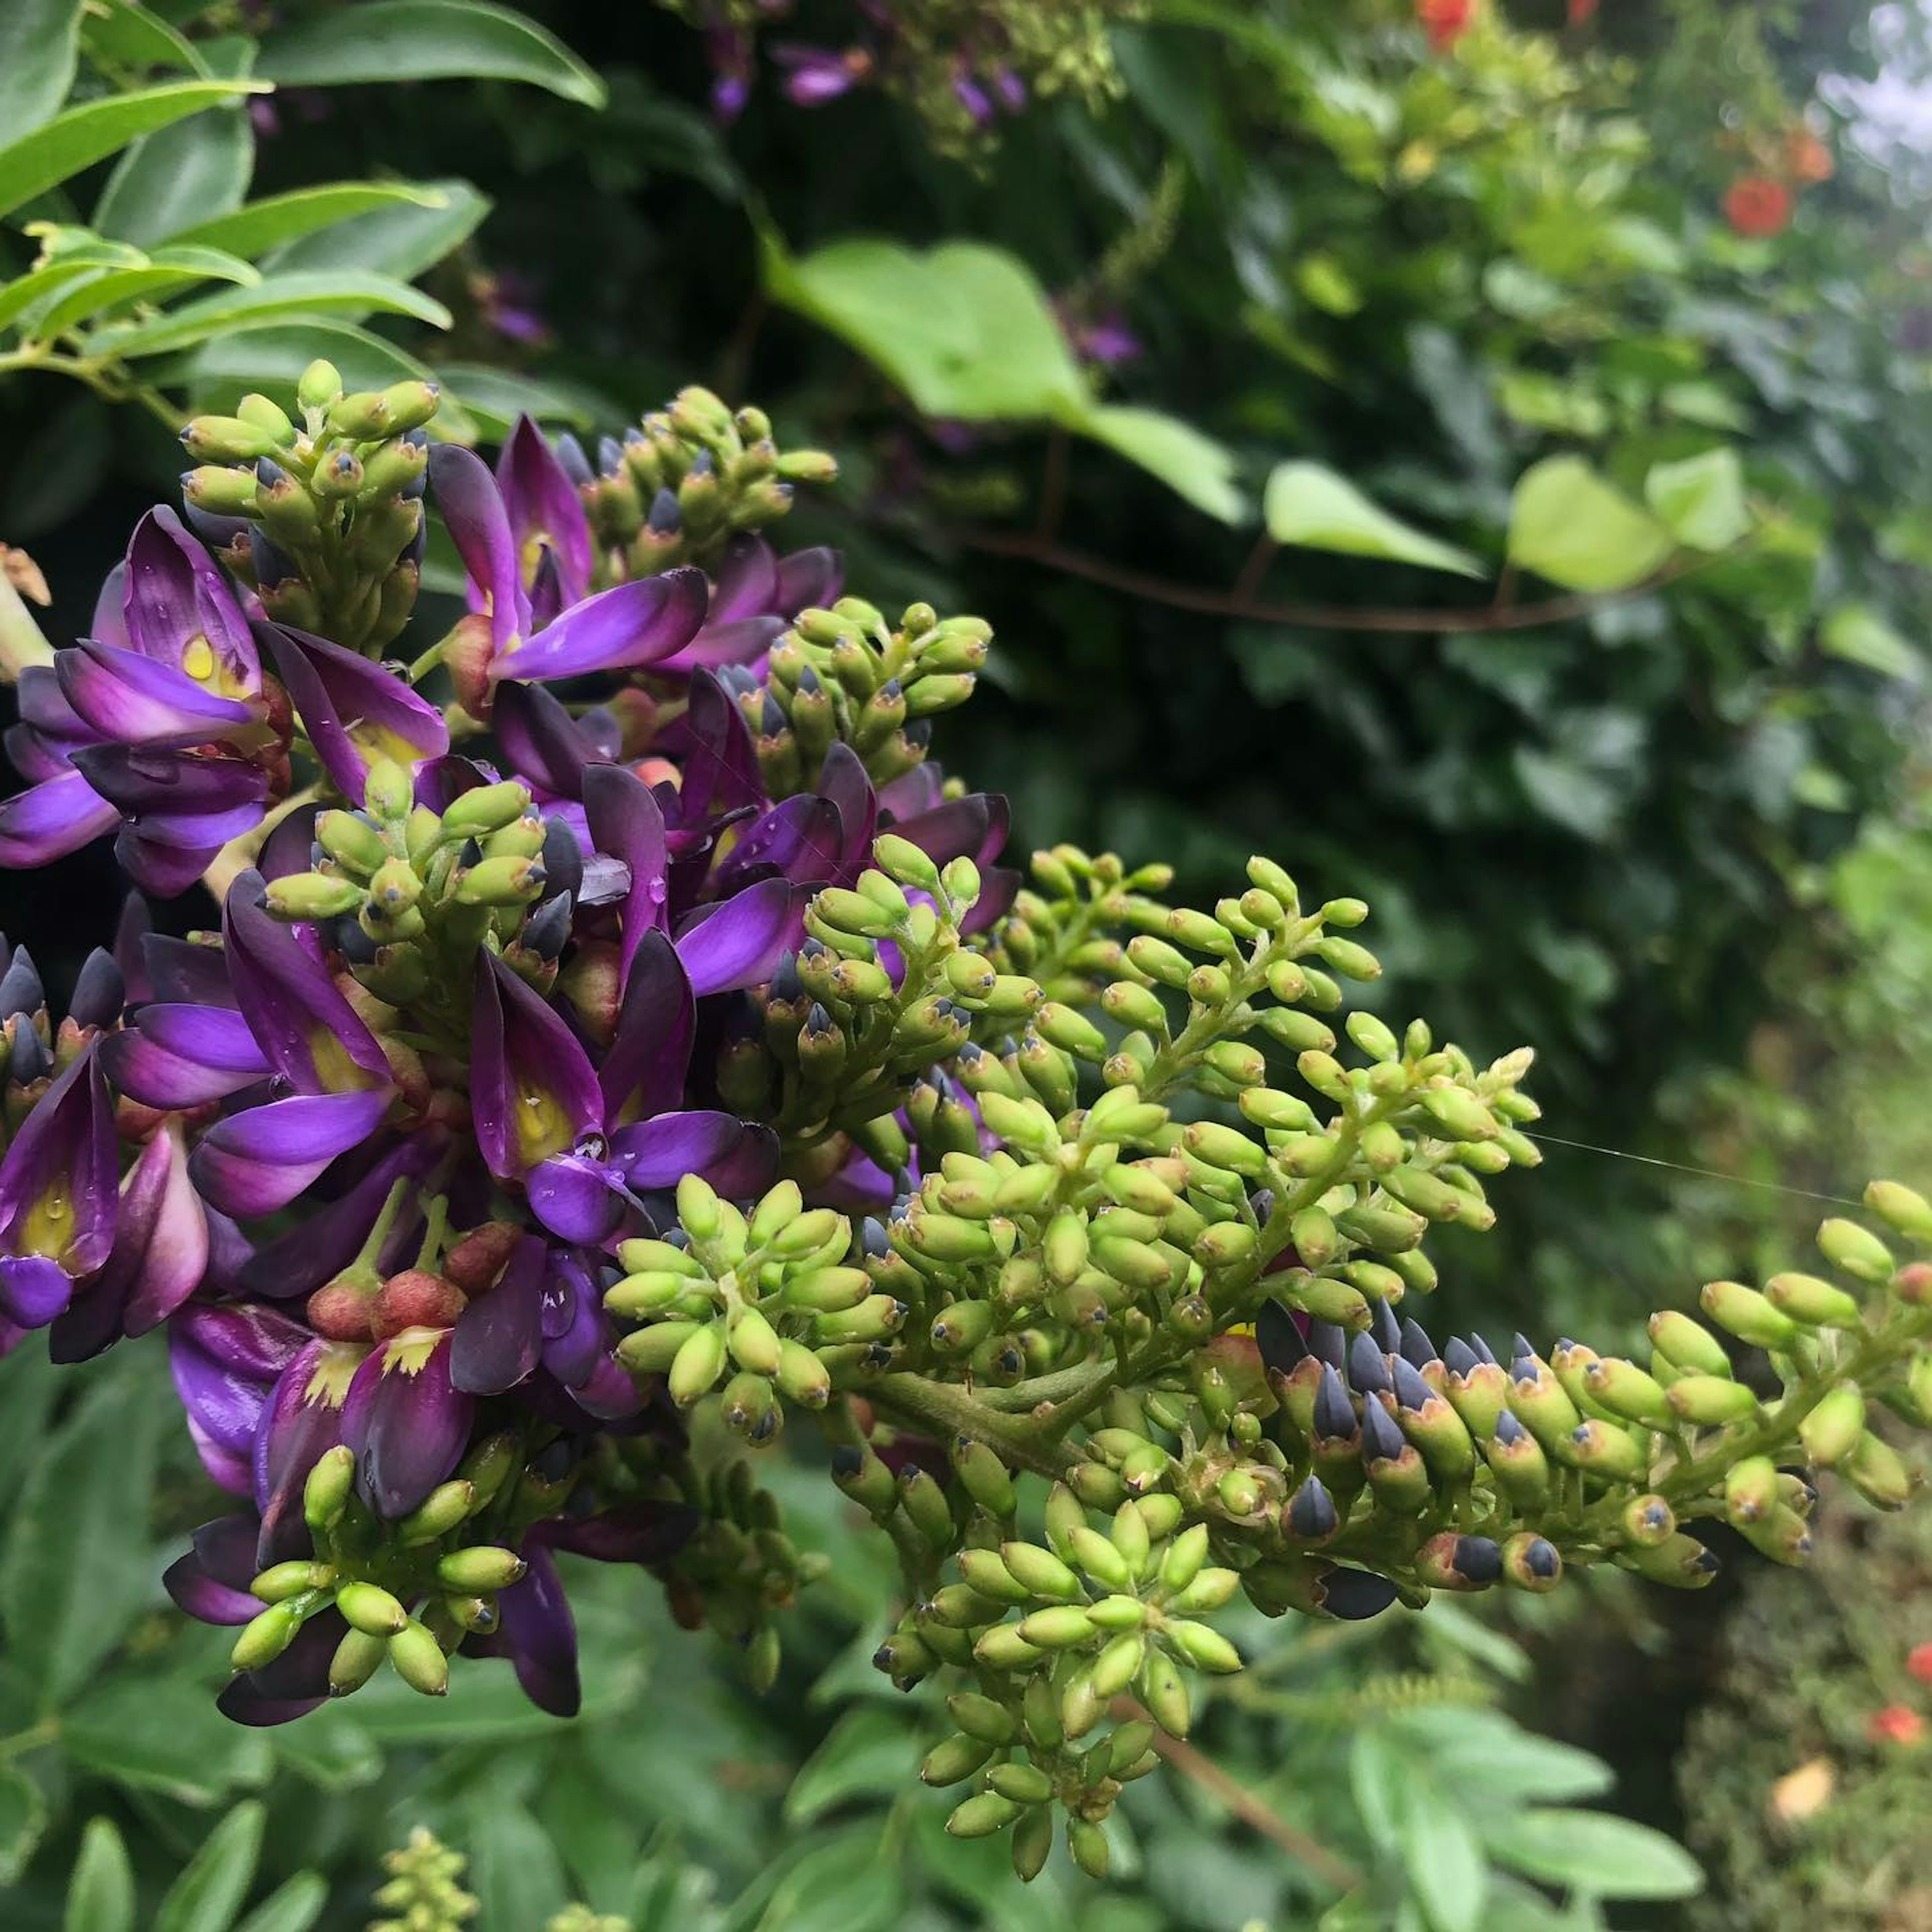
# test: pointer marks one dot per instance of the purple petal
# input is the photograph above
(51, 819)
(63, 1158)
(185, 970)
(225, 1357)
(645, 1533)
(799, 840)
(721, 770)
(33, 1290)
(356, 711)
(540, 1635)
(209, 1580)
(737, 942)
(608, 1392)
(175, 595)
(319, 1248)
(737, 1157)
(808, 580)
(576, 1197)
(408, 1425)
(738, 640)
(311, 1033)
(542, 741)
(160, 1245)
(257, 1161)
(626, 822)
(533, 1092)
(472, 510)
(290, 847)
(162, 867)
(140, 699)
(972, 828)
(643, 1072)
(634, 625)
(173, 785)
(543, 507)
(302, 1421)
(183, 1056)
(499, 1336)
(747, 582)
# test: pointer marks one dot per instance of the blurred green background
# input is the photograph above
(1280, 302)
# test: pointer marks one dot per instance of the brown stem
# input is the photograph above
(1195, 1765)
(1236, 603)
(1052, 487)
(1251, 572)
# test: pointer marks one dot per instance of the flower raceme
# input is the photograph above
(614, 1016)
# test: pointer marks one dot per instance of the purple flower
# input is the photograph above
(407, 1422)
(161, 723)
(59, 1195)
(816, 75)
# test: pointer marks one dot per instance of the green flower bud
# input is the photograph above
(1833, 1426)
(1751, 1490)
(802, 1376)
(356, 1661)
(312, 895)
(370, 1608)
(1460, 1113)
(264, 1637)
(419, 1660)
(1033, 1840)
(1203, 1647)
(1687, 1345)
(1681, 1561)
(1024, 1783)
(1604, 1450)
(326, 1494)
(1003, 1648)
(281, 1581)
(924, 1504)
(1817, 1303)
(1900, 1207)
(1710, 1400)
(1165, 1694)
(980, 1817)
(699, 1361)
(1855, 1251)
(1061, 1627)
(440, 1511)
(1879, 1475)
(1745, 1313)
(479, 1570)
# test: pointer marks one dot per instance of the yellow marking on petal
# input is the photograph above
(541, 1127)
(334, 1068)
(408, 1353)
(48, 1226)
(334, 1369)
(198, 660)
(376, 742)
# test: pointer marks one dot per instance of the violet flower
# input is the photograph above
(58, 1198)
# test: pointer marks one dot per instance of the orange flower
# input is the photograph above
(1757, 206)
(1445, 20)
(1895, 1724)
(1919, 1662)
(1807, 158)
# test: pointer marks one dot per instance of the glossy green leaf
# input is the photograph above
(426, 39)
(1309, 505)
(857, 1760)
(100, 1893)
(1566, 523)
(76, 1570)
(496, 397)
(252, 231)
(167, 270)
(31, 165)
(964, 329)
(39, 50)
(1859, 634)
(23, 1817)
(162, 1734)
(1192, 465)
(402, 238)
(129, 37)
(274, 298)
(292, 1906)
(1701, 500)
(214, 1881)
(186, 173)
(1593, 1852)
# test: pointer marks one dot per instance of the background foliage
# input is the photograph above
(1387, 446)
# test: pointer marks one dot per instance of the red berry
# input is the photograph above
(1444, 21)
(1757, 206)
(1895, 1724)
(1919, 1662)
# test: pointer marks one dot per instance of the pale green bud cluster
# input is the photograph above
(333, 493)
(424, 1892)
(695, 475)
(845, 676)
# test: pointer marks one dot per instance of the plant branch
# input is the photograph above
(942, 1409)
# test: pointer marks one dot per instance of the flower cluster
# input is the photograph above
(961, 65)
(612, 1017)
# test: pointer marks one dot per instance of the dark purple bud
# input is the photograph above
(1382, 1442)
(1278, 1337)
(1355, 1595)
(406, 1423)
(546, 928)
(1508, 1430)
(562, 857)
(99, 992)
(1385, 1328)
(1335, 1418)
(1328, 1341)
(1368, 1366)
(1417, 1349)
(1312, 1515)
(210, 1579)
(1458, 1357)
(20, 989)
(665, 519)
(1410, 1391)
(1477, 1560)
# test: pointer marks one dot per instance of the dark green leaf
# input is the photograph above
(76, 139)
(39, 50)
(76, 1569)
(496, 397)
(274, 298)
(209, 1892)
(186, 173)
(402, 239)
(426, 39)
(109, 289)
(514, 1868)
(28, 1385)
(268, 223)
(844, 1885)
(293, 1907)
(1484, 1751)
(1592, 1851)
(163, 1733)
(23, 1817)
(1442, 1858)
(863, 1755)
(101, 1894)
(126, 35)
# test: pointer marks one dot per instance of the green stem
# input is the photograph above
(942, 1410)
(33, 1738)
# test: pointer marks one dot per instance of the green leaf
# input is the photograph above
(497, 397)
(274, 298)
(101, 1894)
(1861, 635)
(1312, 507)
(1701, 500)
(27, 1385)
(1444, 1863)
(39, 51)
(195, 169)
(268, 223)
(842, 1886)
(83, 135)
(514, 1868)
(426, 39)
(1593, 1852)
(1472, 1750)
(1566, 523)
(293, 1907)
(113, 288)
(400, 239)
(214, 1881)
(1190, 464)
(76, 1570)
(964, 329)
(23, 1817)
(864, 1754)
(123, 34)
(162, 1733)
